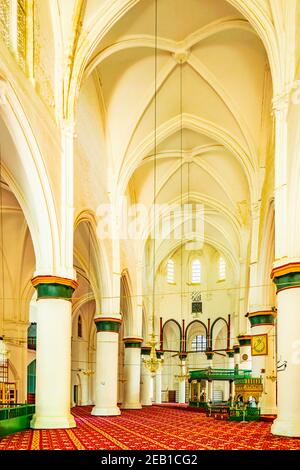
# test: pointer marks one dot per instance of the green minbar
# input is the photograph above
(15, 418)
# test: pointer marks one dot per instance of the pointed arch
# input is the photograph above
(25, 172)
(216, 327)
(190, 325)
(170, 322)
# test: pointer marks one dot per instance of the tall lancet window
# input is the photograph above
(196, 271)
(170, 271)
(222, 269)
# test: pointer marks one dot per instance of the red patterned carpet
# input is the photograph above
(156, 427)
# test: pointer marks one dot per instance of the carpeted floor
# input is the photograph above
(155, 427)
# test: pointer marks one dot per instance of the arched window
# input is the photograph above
(199, 343)
(170, 271)
(222, 269)
(196, 271)
(79, 327)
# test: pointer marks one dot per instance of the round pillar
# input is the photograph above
(229, 385)
(53, 353)
(158, 386)
(236, 349)
(263, 357)
(209, 355)
(146, 380)
(84, 389)
(132, 372)
(287, 280)
(245, 352)
(106, 393)
(182, 378)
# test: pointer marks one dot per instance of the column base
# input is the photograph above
(286, 428)
(131, 406)
(111, 411)
(147, 403)
(52, 422)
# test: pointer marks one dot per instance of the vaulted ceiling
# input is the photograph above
(225, 120)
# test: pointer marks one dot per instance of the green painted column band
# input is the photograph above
(236, 349)
(182, 355)
(287, 281)
(245, 341)
(54, 291)
(132, 344)
(230, 353)
(159, 354)
(265, 319)
(54, 287)
(110, 326)
(209, 355)
(146, 351)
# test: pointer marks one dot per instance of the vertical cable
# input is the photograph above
(154, 160)
(181, 193)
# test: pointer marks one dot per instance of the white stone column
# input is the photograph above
(262, 323)
(181, 397)
(106, 393)
(236, 349)
(158, 386)
(132, 373)
(198, 390)
(146, 380)
(287, 280)
(209, 355)
(152, 388)
(229, 387)
(84, 389)
(245, 352)
(182, 380)
(53, 353)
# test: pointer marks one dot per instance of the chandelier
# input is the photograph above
(88, 372)
(184, 372)
(152, 363)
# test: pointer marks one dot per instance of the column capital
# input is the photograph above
(108, 324)
(159, 354)
(260, 318)
(244, 340)
(286, 276)
(182, 356)
(209, 355)
(56, 287)
(145, 350)
(133, 342)
(230, 353)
